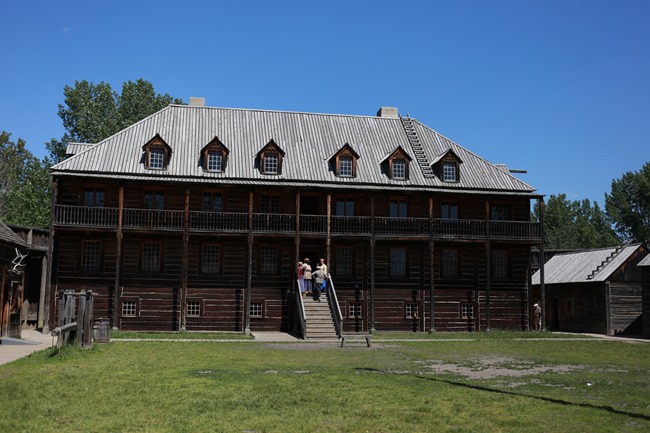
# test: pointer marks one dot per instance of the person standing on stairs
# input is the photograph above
(306, 274)
(319, 279)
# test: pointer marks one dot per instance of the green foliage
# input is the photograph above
(575, 224)
(629, 204)
(24, 185)
(92, 112)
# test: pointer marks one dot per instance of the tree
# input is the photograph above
(629, 204)
(575, 224)
(24, 184)
(93, 112)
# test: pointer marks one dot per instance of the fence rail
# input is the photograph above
(240, 222)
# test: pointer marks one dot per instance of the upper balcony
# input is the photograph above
(230, 222)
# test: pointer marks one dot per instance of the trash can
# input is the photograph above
(102, 330)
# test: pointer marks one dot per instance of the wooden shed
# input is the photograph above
(13, 252)
(597, 291)
(195, 218)
(644, 265)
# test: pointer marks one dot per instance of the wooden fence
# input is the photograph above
(75, 319)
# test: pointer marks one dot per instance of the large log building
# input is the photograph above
(195, 217)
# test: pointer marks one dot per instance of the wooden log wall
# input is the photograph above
(625, 308)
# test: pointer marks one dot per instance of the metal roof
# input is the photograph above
(586, 266)
(7, 235)
(308, 139)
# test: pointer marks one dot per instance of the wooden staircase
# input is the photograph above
(319, 324)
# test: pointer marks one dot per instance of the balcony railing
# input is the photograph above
(79, 216)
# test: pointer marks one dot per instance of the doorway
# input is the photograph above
(309, 205)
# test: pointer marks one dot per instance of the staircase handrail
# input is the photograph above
(334, 306)
(301, 312)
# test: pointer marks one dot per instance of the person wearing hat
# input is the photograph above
(537, 315)
(306, 275)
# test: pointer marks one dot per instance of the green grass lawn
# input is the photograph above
(487, 385)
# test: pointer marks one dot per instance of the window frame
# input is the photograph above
(219, 257)
(447, 210)
(136, 307)
(269, 203)
(345, 202)
(446, 175)
(499, 212)
(399, 202)
(155, 193)
(355, 306)
(212, 193)
(195, 303)
(158, 146)
(392, 264)
(394, 168)
(273, 268)
(464, 308)
(449, 264)
(262, 309)
(500, 265)
(345, 152)
(343, 270)
(411, 306)
(146, 269)
(95, 189)
(82, 260)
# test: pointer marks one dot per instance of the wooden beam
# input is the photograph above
(488, 261)
(186, 241)
(247, 294)
(372, 264)
(329, 227)
(3, 319)
(432, 326)
(541, 263)
(41, 293)
(118, 260)
(50, 251)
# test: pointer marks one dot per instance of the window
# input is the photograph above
(151, 257)
(270, 203)
(411, 311)
(398, 209)
(345, 166)
(449, 266)
(90, 257)
(398, 262)
(129, 308)
(269, 260)
(449, 172)
(449, 211)
(271, 163)
(214, 160)
(354, 309)
(212, 202)
(344, 207)
(499, 212)
(194, 309)
(499, 264)
(157, 153)
(343, 261)
(156, 159)
(399, 169)
(94, 197)
(256, 309)
(467, 311)
(154, 199)
(211, 259)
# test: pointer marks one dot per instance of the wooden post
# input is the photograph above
(81, 314)
(297, 240)
(118, 260)
(329, 227)
(3, 317)
(488, 261)
(247, 294)
(50, 250)
(432, 326)
(372, 264)
(41, 295)
(88, 320)
(186, 241)
(541, 264)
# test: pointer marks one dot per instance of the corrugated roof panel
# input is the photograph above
(308, 140)
(577, 267)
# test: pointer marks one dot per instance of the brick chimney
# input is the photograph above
(197, 102)
(389, 112)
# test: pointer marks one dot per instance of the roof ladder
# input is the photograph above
(409, 127)
(609, 258)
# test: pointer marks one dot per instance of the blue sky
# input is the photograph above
(558, 88)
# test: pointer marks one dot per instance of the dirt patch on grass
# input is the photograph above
(494, 367)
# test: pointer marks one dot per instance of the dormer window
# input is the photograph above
(271, 163)
(270, 158)
(156, 153)
(399, 169)
(396, 164)
(447, 166)
(345, 166)
(214, 161)
(449, 172)
(344, 162)
(214, 156)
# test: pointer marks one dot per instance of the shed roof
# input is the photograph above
(308, 139)
(645, 261)
(586, 266)
(8, 236)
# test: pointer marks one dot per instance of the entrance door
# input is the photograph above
(309, 205)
